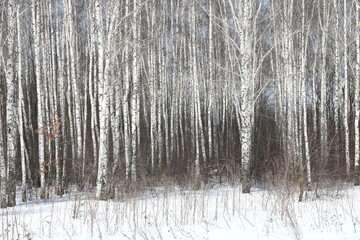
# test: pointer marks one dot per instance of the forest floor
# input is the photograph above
(217, 212)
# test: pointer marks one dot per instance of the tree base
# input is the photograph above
(23, 195)
(357, 176)
(246, 186)
(11, 199)
(59, 191)
(301, 195)
(3, 203)
(42, 193)
(197, 184)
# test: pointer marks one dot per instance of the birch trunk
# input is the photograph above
(337, 83)
(103, 109)
(322, 111)
(289, 104)
(173, 100)
(304, 43)
(164, 88)
(21, 114)
(3, 173)
(47, 110)
(30, 127)
(196, 100)
(152, 83)
(160, 97)
(78, 101)
(246, 102)
(55, 96)
(357, 97)
(61, 170)
(346, 96)
(93, 93)
(126, 103)
(11, 128)
(210, 80)
(37, 26)
(135, 104)
(113, 98)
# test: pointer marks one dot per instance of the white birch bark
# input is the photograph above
(61, 166)
(174, 84)
(135, 104)
(314, 98)
(103, 109)
(211, 86)
(244, 26)
(346, 96)
(196, 101)
(114, 102)
(181, 81)
(54, 96)
(324, 22)
(21, 114)
(47, 110)
(289, 86)
(3, 173)
(164, 88)
(337, 89)
(92, 97)
(152, 86)
(93, 93)
(160, 97)
(126, 103)
(304, 44)
(39, 90)
(11, 122)
(357, 96)
(246, 102)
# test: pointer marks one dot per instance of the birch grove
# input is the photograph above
(108, 95)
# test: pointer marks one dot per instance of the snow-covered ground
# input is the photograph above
(221, 212)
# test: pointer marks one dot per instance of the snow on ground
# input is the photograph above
(210, 214)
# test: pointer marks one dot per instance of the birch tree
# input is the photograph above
(244, 26)
(11, 128)
(303, 77)
(37, 27)
(324, 25)
(21, 114)
(3, 180)
(152, 84)
(103, 107)
(346, 95)
(336, 87)
(77, 141)
(357, 96)
(135, 104)
(246, 103)
(126, 103)
(196, 105)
